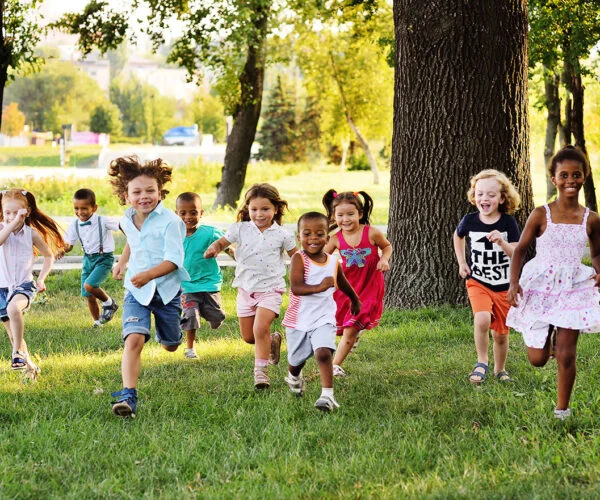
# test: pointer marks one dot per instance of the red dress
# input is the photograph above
(360, 267)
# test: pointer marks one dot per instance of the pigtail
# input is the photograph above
(328, 198)
(44, 225)
(367, 207)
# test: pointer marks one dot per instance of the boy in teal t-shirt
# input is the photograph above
(201, 296)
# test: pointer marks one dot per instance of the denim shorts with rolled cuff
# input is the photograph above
(28, 289)
(137, 318)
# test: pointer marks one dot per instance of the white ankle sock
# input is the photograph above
(327, 391)
(108, 302)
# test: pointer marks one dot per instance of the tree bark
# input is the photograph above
(5, 55)
(460, 107)
(577, 90)
(552, 102)
(245, 119)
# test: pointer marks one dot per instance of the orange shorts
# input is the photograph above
(484, 299)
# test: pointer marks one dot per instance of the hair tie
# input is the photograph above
(24, 192)
(334, 194)
(4, 191)
(356, 193)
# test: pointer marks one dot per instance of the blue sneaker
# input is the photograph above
(126, 405)
(108, 312)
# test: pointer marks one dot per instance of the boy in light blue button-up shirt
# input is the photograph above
(155, 255)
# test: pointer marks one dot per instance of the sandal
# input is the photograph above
(19, 361)
(503, 377)
(481, 375)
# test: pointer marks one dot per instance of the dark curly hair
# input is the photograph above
(125, 169)
(332, 199)
(569, 153)
(263, 190)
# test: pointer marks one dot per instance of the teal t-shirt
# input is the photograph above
(205, 274)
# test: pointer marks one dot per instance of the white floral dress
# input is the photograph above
(557, 287)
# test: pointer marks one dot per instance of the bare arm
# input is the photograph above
(346, 287)
(459, 249)
(378, 239)
(297, 284)
(496, 237)
(216, 248)
(44, 249)
(143, 277)
(594, 237)
(121, 265)
(532, 229)
(332, 244)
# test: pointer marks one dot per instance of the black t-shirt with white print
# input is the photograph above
(488, 262)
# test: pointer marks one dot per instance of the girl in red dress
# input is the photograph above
(359, 245)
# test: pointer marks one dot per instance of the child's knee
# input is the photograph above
(537, 357)
(323, 355)
(170, 348)
(482, 320)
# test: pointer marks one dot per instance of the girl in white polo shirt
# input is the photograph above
(259, 275)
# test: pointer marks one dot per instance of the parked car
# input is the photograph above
(182, 136)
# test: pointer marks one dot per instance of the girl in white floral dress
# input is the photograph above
(555, 288)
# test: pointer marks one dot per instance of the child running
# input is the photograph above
(155, 255)
(201, 297)
(95, 234)
(555, 288)
(24, 231)
(310, 317)
(260, 271)
(359, 245)
(492, 235)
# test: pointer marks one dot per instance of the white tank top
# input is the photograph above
(16, 258)
(307, 312)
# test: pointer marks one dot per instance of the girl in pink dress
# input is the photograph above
(555, 288)
(359, 245)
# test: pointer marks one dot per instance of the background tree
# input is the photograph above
(13, 120)
(562, 34)
(460, 106)
(60, 94)
(19, 35)
(105, 119)
(208, 112)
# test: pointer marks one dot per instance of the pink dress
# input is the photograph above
(557, 289)
(360, 267)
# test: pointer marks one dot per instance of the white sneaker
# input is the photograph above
(338, 371)
(190, 353)
(297, 386)
(326, 403)
(97, 324)
(562, 414)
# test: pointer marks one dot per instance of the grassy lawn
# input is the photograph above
(410, 425)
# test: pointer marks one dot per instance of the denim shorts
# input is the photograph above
(28, 289)
(302, 345)
(136, 318)
(96, 268)
(198, 305)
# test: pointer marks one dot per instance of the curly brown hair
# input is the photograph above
(512, 199)
(126, 168)
(263, 190)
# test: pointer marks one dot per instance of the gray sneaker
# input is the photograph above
(296, 386)
(326, 403)
(108, 312)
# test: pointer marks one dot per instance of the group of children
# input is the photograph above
(169, 270)
(553, 297)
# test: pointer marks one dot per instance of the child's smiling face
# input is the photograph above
(347, 217)
(488, 197)
(143, 194)
(190, 212)
(84, 209)
(313, 235)
(569, 177)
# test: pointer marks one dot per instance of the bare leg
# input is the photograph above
(17, 326)
(93, 307)
(262, 332)
(190, 337)
(295, 370)
(500, 351)
(131, 363)
(247, 328)
(99, 293)
(323, 358)
(566, 357)
(343, 349)
(481, 335)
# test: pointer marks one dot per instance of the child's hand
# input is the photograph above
(383, 265)
(140, 279)
(41, 286)
(118, 270)
(596, 278)
(464, 270)
(514, 294)
(20, 217)
(495, 236)
(355, 307)
(327, 283)
(211, 252)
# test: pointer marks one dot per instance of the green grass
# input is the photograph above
(410, 425)
(48, 156)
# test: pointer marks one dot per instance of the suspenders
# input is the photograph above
(99, 234)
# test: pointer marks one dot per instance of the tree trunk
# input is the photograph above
(552, 85)
(361, 140)
(577, 90)
(245, 118)
(345, 147)
(460, 106)
(5, 56)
